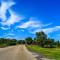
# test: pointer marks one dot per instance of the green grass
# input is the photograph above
(53, 53)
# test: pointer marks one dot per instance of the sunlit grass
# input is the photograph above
(47, 52)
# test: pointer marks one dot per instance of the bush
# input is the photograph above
(49, 46)
(3, 45)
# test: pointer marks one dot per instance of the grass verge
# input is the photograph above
(52, 53)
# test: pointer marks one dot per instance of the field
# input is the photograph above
(52, 53)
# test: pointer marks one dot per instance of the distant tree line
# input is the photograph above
(7, 42)
(42, 40)
(10, 42)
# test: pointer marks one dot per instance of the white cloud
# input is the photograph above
(33, 23)
(45, 25)
(3, 28)
(13, 16)
(4, 7)
(48, 30)
(13, 19)
(6, 35)
(29, 24)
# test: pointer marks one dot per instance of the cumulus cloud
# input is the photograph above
(33, 24)
(13, 19)
(4, 7)
(45, 25)
(29, 24)
(48, 30)
(13, 16)
(9, 35)
(3, 28)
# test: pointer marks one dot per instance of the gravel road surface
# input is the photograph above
(18, 52)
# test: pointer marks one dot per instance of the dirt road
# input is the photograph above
(16, 53)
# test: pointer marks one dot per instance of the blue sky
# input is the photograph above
(23, 18)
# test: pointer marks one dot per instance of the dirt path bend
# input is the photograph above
(16, 53)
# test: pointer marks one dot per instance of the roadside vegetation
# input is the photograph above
(41, 44)
(42, 40)
(9, 42)
(51, 53)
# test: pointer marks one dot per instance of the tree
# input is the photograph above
(28, 40)
(12, 42)
(41, 37)
(21, 42)
(49, 43)
(57, 43)
(7, 42)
